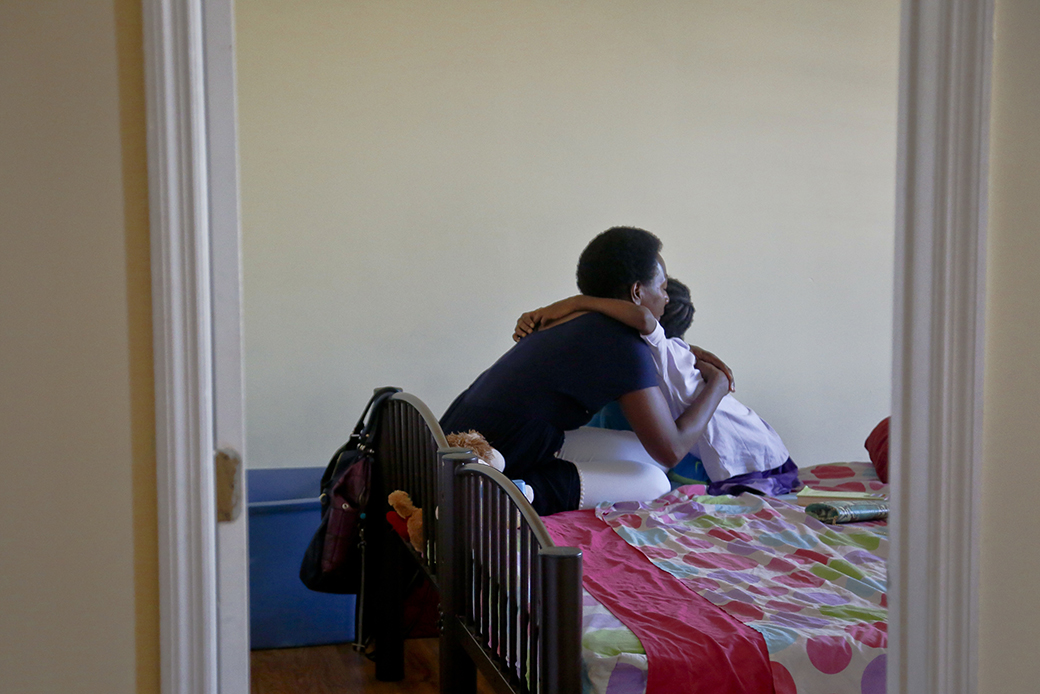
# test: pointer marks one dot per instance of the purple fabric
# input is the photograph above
(779, 480)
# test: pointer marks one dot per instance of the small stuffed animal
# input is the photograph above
(487, 454)
(484, 451)
(402, 503)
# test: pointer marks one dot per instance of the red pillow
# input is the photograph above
(877, 449)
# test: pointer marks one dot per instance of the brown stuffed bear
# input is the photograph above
(486, 454)
(481, 448)
(402, 502)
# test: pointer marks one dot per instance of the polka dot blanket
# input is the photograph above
(815, 592)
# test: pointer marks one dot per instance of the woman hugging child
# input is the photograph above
(739, 451)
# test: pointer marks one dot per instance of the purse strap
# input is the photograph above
(362, 431)
(380, 395)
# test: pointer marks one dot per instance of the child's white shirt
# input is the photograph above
(737, 441)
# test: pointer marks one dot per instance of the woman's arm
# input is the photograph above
(666, 441)
(626, 312)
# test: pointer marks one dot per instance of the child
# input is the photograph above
(739, 450)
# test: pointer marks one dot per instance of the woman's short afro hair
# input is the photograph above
(678, 312)
(615, 260)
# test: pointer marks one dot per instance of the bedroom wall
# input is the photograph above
(78, 559)
(1010, 555)
(415, 175)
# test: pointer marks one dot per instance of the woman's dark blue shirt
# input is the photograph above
(552, 381)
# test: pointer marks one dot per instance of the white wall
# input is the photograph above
(414, 175)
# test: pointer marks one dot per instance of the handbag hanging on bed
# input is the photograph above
(333, 560)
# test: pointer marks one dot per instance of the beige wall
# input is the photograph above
(78, 567)
(415, 175)
(1010, 594)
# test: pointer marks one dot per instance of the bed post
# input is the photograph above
(561, 594)
(385, 585)
(458, 673)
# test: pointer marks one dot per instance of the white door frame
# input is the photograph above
(936, 436)
(194, 210)
(938, 335)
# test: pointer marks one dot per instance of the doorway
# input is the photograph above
(914, 275)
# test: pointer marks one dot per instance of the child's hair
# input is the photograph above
(678, 312)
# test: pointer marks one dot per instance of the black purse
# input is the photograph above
(333, 560)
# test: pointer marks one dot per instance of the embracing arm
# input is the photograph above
(703, 355)
(626, 312)
(666, 441)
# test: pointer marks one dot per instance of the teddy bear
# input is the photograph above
(484, 451)
(487, 454)
(412, 517)
(408, 521)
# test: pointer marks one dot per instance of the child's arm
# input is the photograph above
(626, 312)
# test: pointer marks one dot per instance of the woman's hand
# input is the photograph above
(704, 357)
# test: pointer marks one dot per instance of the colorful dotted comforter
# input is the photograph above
(814, 593)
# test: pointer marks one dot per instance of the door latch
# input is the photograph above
(228, 481)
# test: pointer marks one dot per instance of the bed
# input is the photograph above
(686, 593)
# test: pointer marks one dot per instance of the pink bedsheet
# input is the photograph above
(676, 626)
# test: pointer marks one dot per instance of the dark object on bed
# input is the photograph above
(848, 511)
(510, 599)
(333, 559)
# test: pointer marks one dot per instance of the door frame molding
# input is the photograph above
(938, 340)
(936, 433)
(182, 321)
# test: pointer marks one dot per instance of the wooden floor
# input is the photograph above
(338, 669)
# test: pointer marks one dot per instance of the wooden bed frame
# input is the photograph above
(510, 600)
